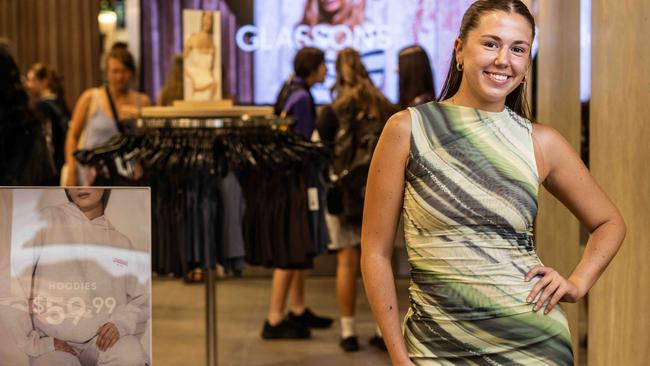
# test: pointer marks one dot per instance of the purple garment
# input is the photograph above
(300, 105)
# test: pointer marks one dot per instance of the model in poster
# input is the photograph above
(199, 56)
(85, 305)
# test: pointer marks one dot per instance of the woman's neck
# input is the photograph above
(118, 92)
(465, 99)
(46, 93)
(93, 212)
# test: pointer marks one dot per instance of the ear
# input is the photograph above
(458, 50)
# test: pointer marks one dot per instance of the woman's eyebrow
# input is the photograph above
(498, 39)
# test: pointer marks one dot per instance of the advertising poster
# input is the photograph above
(378, 29)
(75, 276)
(202, 55)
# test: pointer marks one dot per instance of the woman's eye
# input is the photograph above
(519, 50)
(490, 44)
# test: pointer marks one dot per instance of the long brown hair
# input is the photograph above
(351, 13)
(516, 100)
(173, 88)
(353, 89)
(415, 75)
(54, 81)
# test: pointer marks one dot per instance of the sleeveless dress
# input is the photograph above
(100, 128)
(198, 64)
(470, 199)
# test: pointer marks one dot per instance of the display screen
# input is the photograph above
(378, 29)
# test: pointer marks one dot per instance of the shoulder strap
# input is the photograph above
(113, 110)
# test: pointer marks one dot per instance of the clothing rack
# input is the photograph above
(223, 118)
(120, 157)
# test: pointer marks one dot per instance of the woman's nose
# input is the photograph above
(503, 57)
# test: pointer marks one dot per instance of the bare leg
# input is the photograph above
(347, 268)
(279, 289)
(297, 292)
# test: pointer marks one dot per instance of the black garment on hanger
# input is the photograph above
(195, 225)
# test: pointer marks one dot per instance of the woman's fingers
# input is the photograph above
(107, 336)
(115, 336)
(556, 297)
(551, 288)
(533, 272)
(539, 286)
(101, 336)
(548, 291)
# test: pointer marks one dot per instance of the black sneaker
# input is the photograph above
(286, 329)
(310, 320)
(350, 344)
(377, 341)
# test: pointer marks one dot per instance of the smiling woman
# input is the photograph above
(465, 173)
(490, 59)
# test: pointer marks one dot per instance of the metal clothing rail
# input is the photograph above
(204, 121)
(225, 122)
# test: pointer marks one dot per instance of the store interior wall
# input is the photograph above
(62, 33)
(619, 322)
(558, 106)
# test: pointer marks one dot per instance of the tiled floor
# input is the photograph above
(179, 326)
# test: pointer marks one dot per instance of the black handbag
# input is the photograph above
(114, 166)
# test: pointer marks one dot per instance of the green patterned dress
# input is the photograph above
(469, 203)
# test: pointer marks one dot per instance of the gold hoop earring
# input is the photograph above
(459, 66)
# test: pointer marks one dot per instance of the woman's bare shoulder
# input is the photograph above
(398, 125)
(546, 135)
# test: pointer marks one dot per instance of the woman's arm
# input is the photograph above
(77, 125)
(383, 204)
(568, 179)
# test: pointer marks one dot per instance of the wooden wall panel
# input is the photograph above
(558, 93)
(63, 33)
(619, 322)
(8, 23)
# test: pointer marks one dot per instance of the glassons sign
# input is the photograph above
(251, 38)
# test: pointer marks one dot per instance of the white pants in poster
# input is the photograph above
(127, 351)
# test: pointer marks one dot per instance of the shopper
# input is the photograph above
(295, 100)
(24, 158)
(465, 172)
(351, 125)
(98, 273)
(172, 90)
(93, 121)
(45, 87)
(415, 77)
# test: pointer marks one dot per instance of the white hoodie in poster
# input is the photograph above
(83, 274)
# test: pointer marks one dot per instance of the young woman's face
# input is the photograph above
(331, 6)
(117, 74)
(495, 56)
(86, 198)
(33, 86)
(206, 22)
